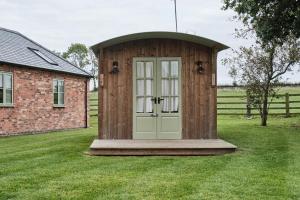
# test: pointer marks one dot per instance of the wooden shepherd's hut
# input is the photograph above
(158, 95)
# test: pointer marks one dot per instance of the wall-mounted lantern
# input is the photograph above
(200, 68)
(115, 68)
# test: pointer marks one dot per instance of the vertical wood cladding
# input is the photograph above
(198, 95)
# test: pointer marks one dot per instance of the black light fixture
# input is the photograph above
(200, 68)
(115, 68)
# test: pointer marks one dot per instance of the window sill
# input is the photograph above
(7, 105)
(58, 106)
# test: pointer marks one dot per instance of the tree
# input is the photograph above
(272, 20)
(77, 54)
(233, 73)
(260, 69)
(274, 24)
(82, 57)
(94, 67)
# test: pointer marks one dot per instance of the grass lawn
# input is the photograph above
(54, 166)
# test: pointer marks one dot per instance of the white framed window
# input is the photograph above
(6, 89)
(58, 93)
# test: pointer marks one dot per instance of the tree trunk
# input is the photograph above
(95, 84)
(264, 120)
(264, 114)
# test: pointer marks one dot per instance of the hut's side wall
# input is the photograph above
(198, 94)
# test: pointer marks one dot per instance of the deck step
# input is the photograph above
(161, 147)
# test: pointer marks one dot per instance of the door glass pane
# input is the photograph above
(149, 106)
(174, 104)
(174, 87)
(165, 105)
(140, 87)
(174, 68)
(149, 87)
(140, 105)
(164, 69)
(165, 87)
(7, 81)
(8, 96)
(140, 70)
(149, 69)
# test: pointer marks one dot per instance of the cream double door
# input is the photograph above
(156, 98)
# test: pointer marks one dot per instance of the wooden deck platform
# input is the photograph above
(161, 147)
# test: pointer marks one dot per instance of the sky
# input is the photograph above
(56, 24)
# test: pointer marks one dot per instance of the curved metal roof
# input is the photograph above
(166, 35)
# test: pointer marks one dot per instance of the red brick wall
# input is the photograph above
(33, 109)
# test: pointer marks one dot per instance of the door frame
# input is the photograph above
(156, 61)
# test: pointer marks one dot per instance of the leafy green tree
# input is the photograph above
(94, 67)
(274, 24)
(260, 69)
(272, 20)
(77, 54)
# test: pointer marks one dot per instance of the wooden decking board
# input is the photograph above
(161, 147)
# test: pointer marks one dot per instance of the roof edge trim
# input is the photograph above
(160, 35)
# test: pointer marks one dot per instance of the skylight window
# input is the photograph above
(43, 56)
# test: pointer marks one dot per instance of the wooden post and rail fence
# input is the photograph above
(281, 105)
(284, 104)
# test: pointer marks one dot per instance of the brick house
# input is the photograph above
(39, 91)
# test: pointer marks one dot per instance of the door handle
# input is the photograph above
(159, 99)
(154, 100)
(154, 115)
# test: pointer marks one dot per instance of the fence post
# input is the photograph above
(287, 105)
(248, 107)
